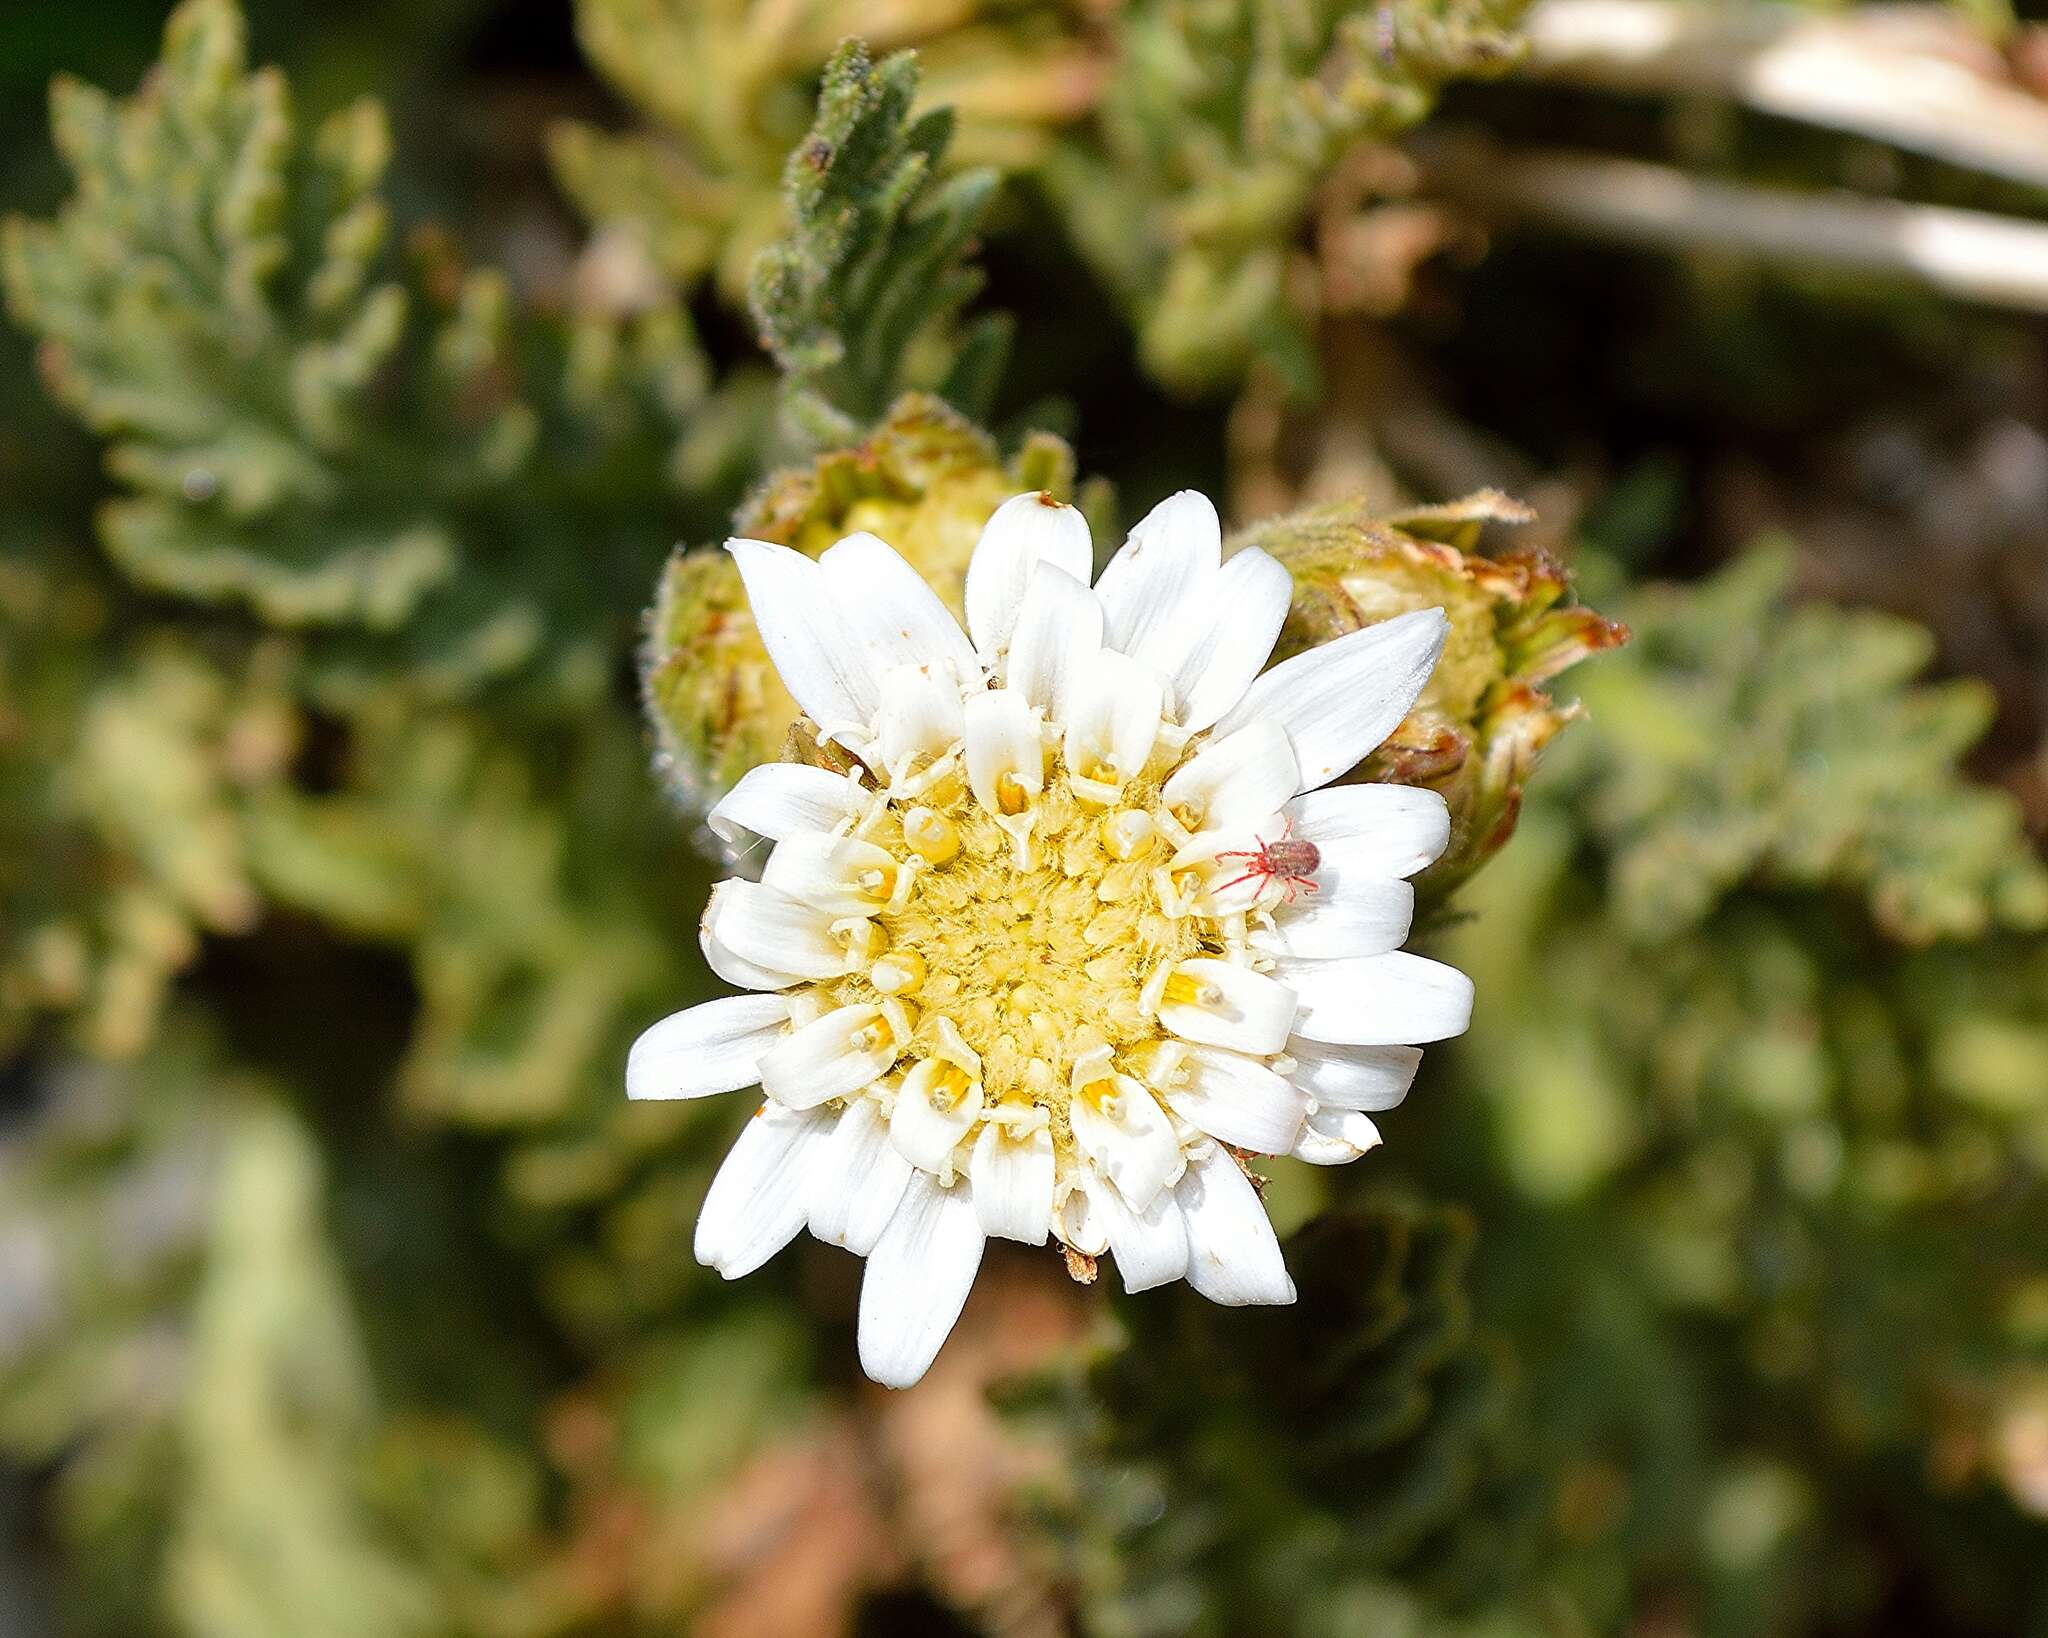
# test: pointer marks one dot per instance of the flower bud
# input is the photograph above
(1480, 723)
(925, 481)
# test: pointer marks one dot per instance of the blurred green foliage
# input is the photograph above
(1328, 1468)
(1702, 1289)
(1216, 132)
(1766, 1039)
(1843, 773)
(724, 90)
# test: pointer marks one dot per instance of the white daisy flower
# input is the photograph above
(1081, 927)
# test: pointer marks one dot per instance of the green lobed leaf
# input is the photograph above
(1221, 121)
(873, 261)
(1748, 739)
(386, 452)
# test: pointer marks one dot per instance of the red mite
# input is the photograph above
(1287, 860)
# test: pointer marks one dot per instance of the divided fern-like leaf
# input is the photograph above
(1746, 739)
(306, 425)
(1216, 129)
(873, 260)
(215, 299)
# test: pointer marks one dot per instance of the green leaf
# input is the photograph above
(873, 263)
(213, 298)
(384, 452)
(1191, 192)
(1746, 738)
(128, 761)
(273, 1535)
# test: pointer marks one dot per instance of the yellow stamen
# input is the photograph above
(1094, 1079)
(1127, 834)
(863, 938)
(888, 1033)
(934, 837)
(900, 972)
(941, 1084)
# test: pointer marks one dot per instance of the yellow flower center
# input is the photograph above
(1029, 965)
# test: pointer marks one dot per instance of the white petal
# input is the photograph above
(1238, 778)
(1380, 830)
(838, 876)
(1336, 1137)
(1233, 1256)
(858, 1180)
(1012, 1177)
(1237, 1100)
(1397, 999)
(713, 1047)
(1150, 1247)
(721, 960)
(1084, 1221)
(925, 1133)
(1248, 604)
(1058, 631)
(768, 930)
(1002, 742)
(833, 1056)
(1342, 918)
(917, 1281)
(1025, 531)
(1155, 590)
(778, 799)
(919, 718)
(1340, 699)
(1114, 718)
(815, 654)
(1129, 1139)
(893, 615)
(759, 1198)
(1220, 1004)
(1353, 1077)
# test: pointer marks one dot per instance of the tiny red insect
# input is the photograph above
(1286, 860)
